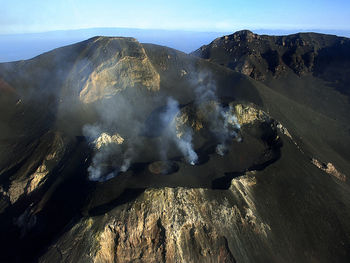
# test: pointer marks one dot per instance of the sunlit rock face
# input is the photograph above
(105, 139)
(110, 65)
(29, 181)
(172, 225)
(329, 168)
(248, 114)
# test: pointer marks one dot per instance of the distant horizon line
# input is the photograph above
(286, 30)
(21, 46)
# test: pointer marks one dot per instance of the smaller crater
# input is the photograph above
(163, 167)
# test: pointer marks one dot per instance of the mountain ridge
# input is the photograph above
(297, 52)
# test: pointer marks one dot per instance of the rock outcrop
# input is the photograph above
(111, 65)
(260, 56)
(249, 114)
(330, 169)
(172, 225)
(35, 174)
(105, 139)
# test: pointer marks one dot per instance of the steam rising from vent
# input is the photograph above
(221, 120)
(183, 141)
(205, 89)
(130, 127)
(230, 127)
(106, 147)
(114, 154)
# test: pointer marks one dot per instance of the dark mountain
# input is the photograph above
(262, 57)
(116, 151)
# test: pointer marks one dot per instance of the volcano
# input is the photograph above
(118, 151)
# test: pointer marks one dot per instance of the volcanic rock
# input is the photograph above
(260, 56)
(105, 139)
(163, 167)
(262, 201)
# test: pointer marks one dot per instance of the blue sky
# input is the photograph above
(23, 16)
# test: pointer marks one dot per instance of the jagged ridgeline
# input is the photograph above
(117, 151)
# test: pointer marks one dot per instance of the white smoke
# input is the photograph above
(230, 128)
(221, 120)
(115, 117)
(184, 142)
(119, 157)
(126, 114)
(127, 159)
(186, 147)
(98, 170)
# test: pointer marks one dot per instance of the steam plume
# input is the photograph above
(221, 120)
(184, 142)
(125, 114)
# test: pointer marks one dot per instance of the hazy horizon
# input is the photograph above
(28, 45)
(278, 31)
(29, 28)
(41, 16)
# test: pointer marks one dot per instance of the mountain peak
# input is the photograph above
(244, 32)
(263, 56)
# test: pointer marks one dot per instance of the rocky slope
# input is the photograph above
(262, 56)
(116, 151)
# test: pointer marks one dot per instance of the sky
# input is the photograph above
(29, 16)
